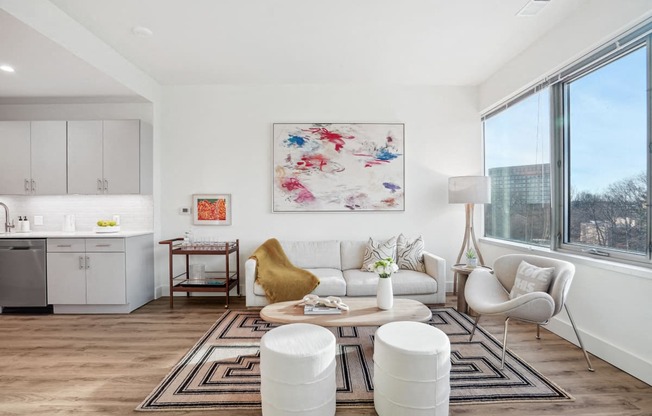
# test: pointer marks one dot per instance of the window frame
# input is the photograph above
(561, 142)
(558, 83)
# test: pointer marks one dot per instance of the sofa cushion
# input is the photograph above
(352, 253)
(313, 254)
(331, 283)
(409, 253)
(378, 250)
(404, 282)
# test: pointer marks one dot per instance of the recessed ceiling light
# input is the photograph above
(141, 31)
(7, 68)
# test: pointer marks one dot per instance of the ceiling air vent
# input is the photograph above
(532, 8)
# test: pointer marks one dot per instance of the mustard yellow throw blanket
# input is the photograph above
(280, 279)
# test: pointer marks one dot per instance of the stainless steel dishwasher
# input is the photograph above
(22, 273)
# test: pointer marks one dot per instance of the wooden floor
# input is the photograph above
(107, 364)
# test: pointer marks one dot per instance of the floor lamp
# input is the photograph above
(469, 190)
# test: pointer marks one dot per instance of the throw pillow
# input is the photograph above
(530, 278)
(409, 254)
(378, 250)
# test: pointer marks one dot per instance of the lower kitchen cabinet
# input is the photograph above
(106, 279)
(100, 275)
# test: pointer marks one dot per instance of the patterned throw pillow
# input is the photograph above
(531, 278)
(410, 254)
(378, 250)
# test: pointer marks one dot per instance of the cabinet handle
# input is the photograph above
(81, 262)
(33, 185)
(106, 185)
(26, 185)
(99, 185)
(102, 245)
(64, 245)
(88, 262)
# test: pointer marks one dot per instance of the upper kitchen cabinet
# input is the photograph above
(14, 157)
(85, 157)
(121, 148)
(48, 150)
(104, 157)
(34, 162)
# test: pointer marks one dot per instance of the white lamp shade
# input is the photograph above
(469, 190)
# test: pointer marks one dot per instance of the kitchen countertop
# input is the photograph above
(76, 234)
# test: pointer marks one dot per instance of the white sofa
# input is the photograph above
(338, 265)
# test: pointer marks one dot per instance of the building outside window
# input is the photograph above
(517, 159)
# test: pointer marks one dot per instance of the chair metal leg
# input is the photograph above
(538, 331)
(577, 334)
(475, 325)
(502, 362)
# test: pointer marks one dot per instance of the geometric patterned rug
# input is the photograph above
(222, 370)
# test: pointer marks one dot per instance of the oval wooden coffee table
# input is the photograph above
(362, 312)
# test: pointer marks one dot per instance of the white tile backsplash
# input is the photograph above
(136, 211)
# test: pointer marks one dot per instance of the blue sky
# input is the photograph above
(520, 135)
(608, 126)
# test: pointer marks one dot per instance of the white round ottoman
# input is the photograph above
(411, 370)
(297, 371)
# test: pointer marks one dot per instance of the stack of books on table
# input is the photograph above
(320, 310)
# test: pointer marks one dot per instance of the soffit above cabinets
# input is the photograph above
(45, 69)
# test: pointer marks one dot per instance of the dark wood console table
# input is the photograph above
(214, 281)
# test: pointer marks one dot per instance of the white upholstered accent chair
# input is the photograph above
(487, 293)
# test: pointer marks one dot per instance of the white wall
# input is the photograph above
(582, 32)
(217, 139)
(610, 304)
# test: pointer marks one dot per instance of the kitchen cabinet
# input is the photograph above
(14, 157)
(34, 158)
(121, 156)
(66, 278)
(99, 275)
(104, 157)
(48, 158)
(86, 271)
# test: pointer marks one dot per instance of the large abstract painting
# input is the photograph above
(339, 167)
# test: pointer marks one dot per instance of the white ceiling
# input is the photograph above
(414, 42)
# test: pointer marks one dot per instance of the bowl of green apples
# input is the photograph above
(106, 226)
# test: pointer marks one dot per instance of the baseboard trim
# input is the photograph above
(624, 360)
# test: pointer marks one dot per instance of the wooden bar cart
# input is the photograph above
(214, 281)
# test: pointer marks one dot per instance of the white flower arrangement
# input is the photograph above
(384, 268)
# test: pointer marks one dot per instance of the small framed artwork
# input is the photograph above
(211, 209)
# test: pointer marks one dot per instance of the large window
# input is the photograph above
(517, 159)
(606, 148)
(569, 160)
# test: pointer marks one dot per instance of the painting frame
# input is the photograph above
(338, 167)
(203, 213)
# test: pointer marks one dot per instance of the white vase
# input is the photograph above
(472, 263)
(384, 293)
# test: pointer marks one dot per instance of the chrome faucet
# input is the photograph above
(8, 226)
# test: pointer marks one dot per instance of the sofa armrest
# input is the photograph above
(436, 268)
(250, 277)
